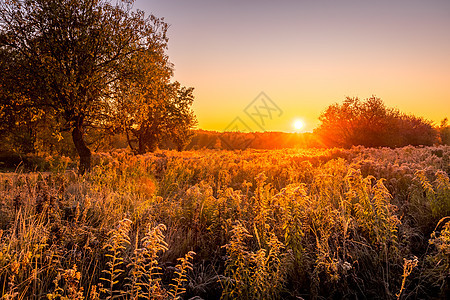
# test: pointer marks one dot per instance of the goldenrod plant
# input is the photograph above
(278, 224)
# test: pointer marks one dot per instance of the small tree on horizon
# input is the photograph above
(370, 123)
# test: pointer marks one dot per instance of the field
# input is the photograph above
(253, 224)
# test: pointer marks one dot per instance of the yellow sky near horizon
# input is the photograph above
(307, 55)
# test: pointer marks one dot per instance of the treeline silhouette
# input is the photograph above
(255, 140)
(354, 122)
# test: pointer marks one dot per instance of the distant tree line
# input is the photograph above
(204, 139)
(353, 122)
(85, 70)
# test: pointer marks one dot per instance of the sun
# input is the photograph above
(298, 124)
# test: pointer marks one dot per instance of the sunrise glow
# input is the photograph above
(298, 125)
(306, 55)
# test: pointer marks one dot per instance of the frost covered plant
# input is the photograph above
(440, 260)
(144, 270)
(118, 240)
(248, 273)
(184, 265)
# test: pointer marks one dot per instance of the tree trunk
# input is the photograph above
(82, 149)
(147, 144)
(141, 146)
(147, 141)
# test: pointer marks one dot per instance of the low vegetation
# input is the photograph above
(253, 224)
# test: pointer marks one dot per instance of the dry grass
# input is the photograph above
(359, 223)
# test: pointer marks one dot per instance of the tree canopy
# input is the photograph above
(76, 61)
(370, 123)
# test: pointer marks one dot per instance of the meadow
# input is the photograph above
(214, 224)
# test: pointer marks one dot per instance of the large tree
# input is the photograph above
(66, 57)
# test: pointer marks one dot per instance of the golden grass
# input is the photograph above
(234, 225)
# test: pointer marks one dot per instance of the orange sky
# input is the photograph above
(306, 55)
